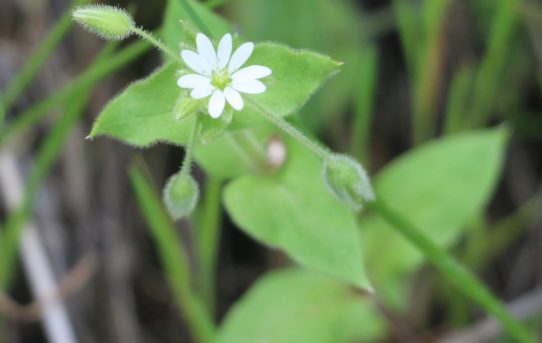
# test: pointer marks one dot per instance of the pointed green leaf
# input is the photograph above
(438, 187)
(292, 210)
(294, 306)
(297, 74)
(143, 113)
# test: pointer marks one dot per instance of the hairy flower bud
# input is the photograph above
(181, 195)
(109, 22)
(347, 180)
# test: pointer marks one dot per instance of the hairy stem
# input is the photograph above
(295, 133)
(187, 161)
(453, 271)
(156, 42)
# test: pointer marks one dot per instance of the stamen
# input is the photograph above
(220, 79)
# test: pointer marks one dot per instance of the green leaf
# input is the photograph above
(292, 210)
(297, 74)
(438, 187)
(294, 306)
(232, 154)
(143, 113)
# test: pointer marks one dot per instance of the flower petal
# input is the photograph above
(224, 51)
(217, 104)
(240, 56)
(196, 62)
(249, 86)
(234, 98)
(206, 49)
(193, 81)
(202, 92)
(251, 73)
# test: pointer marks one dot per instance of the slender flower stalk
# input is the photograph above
(187, 161)
(282, 124)
(461, 277)
(156, 42)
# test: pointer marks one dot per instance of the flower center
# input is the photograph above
(220, 79)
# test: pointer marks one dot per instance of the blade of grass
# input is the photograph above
(46, 157)
(208, 234)
(458, 97)
(428, 80)
(195, 18)
(96, 72)
(509, 229)
(409, 32)
(19, 83)
(214, 3)
(2, 116)
(364, 104)
(172, 256)
(504, 23)
(454, 272)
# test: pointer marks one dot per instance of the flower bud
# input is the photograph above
(181, 195)
(347, 180)
(109, 22)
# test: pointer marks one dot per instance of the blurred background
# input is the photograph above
(414, 71)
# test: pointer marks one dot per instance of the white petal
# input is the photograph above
(224, 51)
(251, 73)
(206, 49)
(202, 92)
(234, 98)
(240, 56)
(193, 81)
(249, 86)
(217, 104)
(196, 62)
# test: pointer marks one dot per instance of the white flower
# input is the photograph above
(218, 74)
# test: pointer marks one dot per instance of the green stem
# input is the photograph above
(295, 133)
(208, 237)
(187, 161)
(454, 272)
(173, 257)
(19, 83)
(96, 72)
(157, 43)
